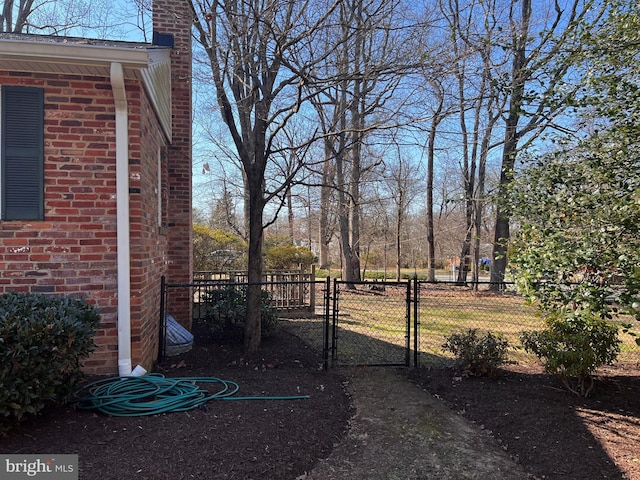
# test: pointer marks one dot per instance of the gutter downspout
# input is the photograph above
(122, 211)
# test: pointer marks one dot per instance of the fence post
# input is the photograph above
(407, 343)
(312, 289)
(327, 321)
(161, 330)
(335, 320)
(416, 321)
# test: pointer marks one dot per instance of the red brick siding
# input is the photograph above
(73, 251)
(175, 17)
(148, 242)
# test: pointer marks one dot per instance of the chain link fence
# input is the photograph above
(371, 323)
(398, 323)
(445, 308)
(302, 307)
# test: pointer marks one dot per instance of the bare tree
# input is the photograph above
(479, 108)
(93, 18)
(369, 62)
(402, 179)
(15, 15)
(326, 224)
(439, 113)
(254, 52)
(541, 56)
(510, 68)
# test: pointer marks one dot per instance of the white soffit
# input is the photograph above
(74, 56)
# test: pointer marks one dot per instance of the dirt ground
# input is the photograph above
(357, 423)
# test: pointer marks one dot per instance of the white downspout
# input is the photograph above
(122, 211)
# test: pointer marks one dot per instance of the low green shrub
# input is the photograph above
(478, 355)
(42, 339)
(573, 347)
(226, 310)
(283, 257)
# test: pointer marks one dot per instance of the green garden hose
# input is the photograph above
(154, 393)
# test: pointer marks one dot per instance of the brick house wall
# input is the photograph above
(74, 250)
(148, 193)
(176, 17)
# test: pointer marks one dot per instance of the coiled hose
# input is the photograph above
(154, 393)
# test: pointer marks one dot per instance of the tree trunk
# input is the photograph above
(252, 328)
(325, 204)
(431, 243)
(290, 216)
(351, 263)
(465, 255)
(323, 227)
(518, 79)
(479, 202)
(399, 219)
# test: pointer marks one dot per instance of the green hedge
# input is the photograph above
(42, 339)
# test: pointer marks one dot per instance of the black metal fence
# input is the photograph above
(288, 289)
(445, 308)
(371, 323)
(398, 323)
(302, 306)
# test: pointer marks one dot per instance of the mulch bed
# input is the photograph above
(552, 433)
(244, 439)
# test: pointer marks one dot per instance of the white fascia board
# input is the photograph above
(148, 63)
(73, 54)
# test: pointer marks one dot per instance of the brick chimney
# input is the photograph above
(175, 17)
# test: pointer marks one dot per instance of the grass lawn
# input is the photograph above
(371, 325)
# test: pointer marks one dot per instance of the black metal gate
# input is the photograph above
(357, 323)
(372, 323)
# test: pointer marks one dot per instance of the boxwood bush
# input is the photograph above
(42, 340)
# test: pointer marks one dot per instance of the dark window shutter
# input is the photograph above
(22, 153)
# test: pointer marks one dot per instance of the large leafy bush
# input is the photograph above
(42, 340)
(217, 250)
(282, 257)
(573, 347)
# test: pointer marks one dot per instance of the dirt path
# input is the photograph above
(400, 432)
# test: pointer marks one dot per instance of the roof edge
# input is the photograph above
(75, 53)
